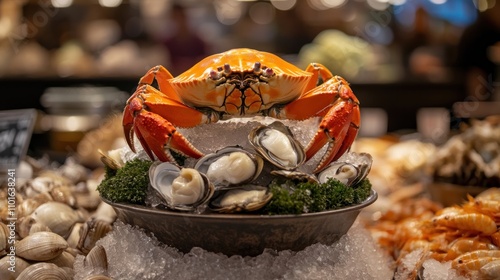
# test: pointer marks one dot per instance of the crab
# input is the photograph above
(238, 83)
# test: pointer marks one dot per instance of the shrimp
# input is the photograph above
(476, 259)
(469, 221)
(466, 244)
(491, 270)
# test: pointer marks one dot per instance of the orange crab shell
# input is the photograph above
(197, 89)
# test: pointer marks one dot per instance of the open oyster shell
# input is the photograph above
(243, 198)
(350, 169)
(230, 166)
(275, 142)
(182, 189)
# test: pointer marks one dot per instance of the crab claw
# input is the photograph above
(337, 130)
(156, 135)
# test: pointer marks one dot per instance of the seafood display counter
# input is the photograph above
(257, 188)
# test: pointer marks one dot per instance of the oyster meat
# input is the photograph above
(275, 142)
(230, 166)
(350, 169)
(243, 198)
(182, 189)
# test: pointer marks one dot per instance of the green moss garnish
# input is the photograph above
(298, 198)
(127, 184)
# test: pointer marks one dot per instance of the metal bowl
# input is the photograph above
(241, 234)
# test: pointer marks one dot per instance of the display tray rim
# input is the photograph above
(242, 216)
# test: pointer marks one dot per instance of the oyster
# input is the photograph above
(296, 175)
(243, 198)
(350, 169)
(230, 166)
(181, 188)
(275, 142)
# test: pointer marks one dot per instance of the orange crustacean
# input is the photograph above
(238, 83)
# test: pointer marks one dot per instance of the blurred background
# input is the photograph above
(416, 65)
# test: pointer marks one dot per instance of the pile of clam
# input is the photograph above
(235, 178)
(59, 215)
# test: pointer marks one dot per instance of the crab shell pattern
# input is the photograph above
(237, 83)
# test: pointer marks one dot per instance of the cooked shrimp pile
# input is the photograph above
(466, 235)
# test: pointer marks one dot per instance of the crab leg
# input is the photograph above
(161, 75)
(335, 102)
(153, 118)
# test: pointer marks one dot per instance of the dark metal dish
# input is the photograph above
(241, 234)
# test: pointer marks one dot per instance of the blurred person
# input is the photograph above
(185, 47)
(475, 57)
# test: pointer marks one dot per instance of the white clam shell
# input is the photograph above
(41, 246)
(58, 217)
(44, 271)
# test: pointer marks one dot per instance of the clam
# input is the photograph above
(44, 271)
(58, 217)
(6, 263)
(275, 142)
(90, 232)
(182, 189)
(4, 234)
(232, 165)
(242, 198)
(41, 246)
(350, 169)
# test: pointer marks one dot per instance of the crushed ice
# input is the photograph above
(209, 138)
(133, 254)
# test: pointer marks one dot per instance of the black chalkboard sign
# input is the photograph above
(16, 127)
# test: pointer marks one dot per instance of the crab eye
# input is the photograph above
(227, 68)
(256, 67)
(214, 75)
(268, 72)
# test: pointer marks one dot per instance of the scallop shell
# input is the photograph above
(275, 142)
(182, 189)
(243, 198)
(230, 166)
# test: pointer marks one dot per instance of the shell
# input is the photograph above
(4, 234)
(97, 277)
(29, 205)
(44, 271)
(58, 217)
(296, 175)
(350, 169)
(230, 166)
(65, 259)
(275, 142)
(41, 246)
(5, 263)
(243, 198)
(90, 232)
(182, 189)
(96, 259)
(63, 194)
